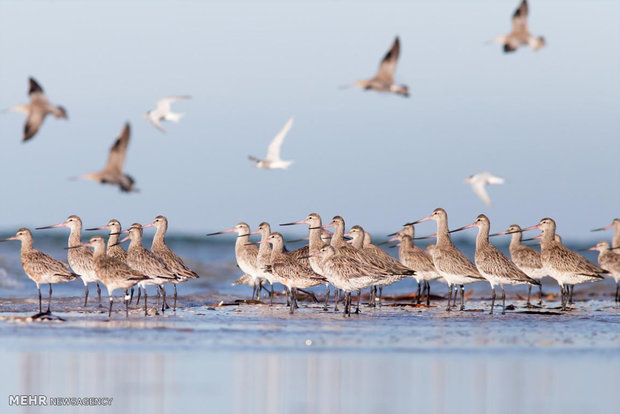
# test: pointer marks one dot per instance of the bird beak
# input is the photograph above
(77, 247)
(531, 228)
(588, 248)
(145, 226)
(123, 240)
(98, 228)
(603, 228)
(221, 232)
(533, 238)
(419, 221)
(9, 238)
(52, 226)
(501, 233)
(432, 236)
(328, 225)
(469, 226)
(292, 223)
(255, 232)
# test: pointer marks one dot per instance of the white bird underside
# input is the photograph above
(273, 161)
(163, 111)
(479, 182)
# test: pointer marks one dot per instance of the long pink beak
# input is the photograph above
(419, 221)
(293, 223)
(52, 226)
(145, 226)
(222, 232)
(255, 232)
(123, 240)
(531, 228)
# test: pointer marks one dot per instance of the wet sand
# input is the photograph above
(256, 358)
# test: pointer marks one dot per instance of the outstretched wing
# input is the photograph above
(385, 74)
(35, 92)
(479, 188)
(33, 122)
(273, 151)
(163, 105)
(519, 19)
(116, 159)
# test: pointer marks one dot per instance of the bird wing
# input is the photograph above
(479, 188)
(491, 179)
(116, 159)
(163, 105)
(493, 262)
(33, 122)
(519, 19)
(387, 67)
(273, 151)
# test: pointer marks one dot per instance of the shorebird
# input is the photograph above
(273, 161)
(449, 261)
(316, 242)
(80, 258)
(245, 253)
(493, 264)
(565, 266)
(415, 258)
(40, 268)
(112, 173)
(479, 182)
(38, 108)
(289, 271)
(345, 273)
(520, 34)
(163, 112)
(615, 224)
(610, 261)
(174, 262)
(147, 263)
(113, 273)
(525, 258)
(114, 249)
(263, 257)
(384, 79)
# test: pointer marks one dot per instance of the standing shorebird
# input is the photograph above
(493, 264)
(273, 161)
(345, 273)
(112, 173)
(289, 271)
(610, 261)
(245, 253)
(80, 257)
(163, 112)
(38, 108)
(114, 249)
(565, 266)
(384, 79)
(525, 258)
(174, 262)
(316, 242)
(449, 261)
(479, 183)
(41, 268)
(113, 273)
(147, 263)
(615, 224)
(263, 257)
(520, 34)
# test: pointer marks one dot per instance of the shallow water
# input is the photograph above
(254, 358)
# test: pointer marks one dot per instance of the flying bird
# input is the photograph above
(480, 181)
(520, 34)
(273, 161)
(163, 113)
(112, 173)
(38, 108)
(384, 79)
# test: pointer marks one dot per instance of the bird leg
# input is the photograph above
(327, 296)
(254, 291)
(618, 291)
(158, 295)
(271, 295)
(540, 294)
(131, 297)
(98, 293)
(449, 296)
(503, 301)
(49, 300)
(85, 294)
(492, 300)
(292, 306)
(39, 289)
(462, 297)
(175, 298)
(336, 299)
(570, 298)
(260, 288)
(146, 313)
(428, 293)
(309, 293)
(127, 300)
(110, 309)
(380, 294)
(529, 292)
(164, 305)
(419, 299)
(359, 299)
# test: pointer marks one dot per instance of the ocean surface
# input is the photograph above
(227, 355)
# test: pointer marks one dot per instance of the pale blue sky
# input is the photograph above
(549, 122)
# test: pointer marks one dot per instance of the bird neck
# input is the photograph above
(483, 237)
(338, 236)
(112, 240)
(99, 250)
(358, 242)
(160, 235)
(315, 242)
(75, 236)
(442, 232)
(27, 245)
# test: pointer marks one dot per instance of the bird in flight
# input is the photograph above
(273, 161)
(384, 79)
(163, 112)
(480, 181)
(520, 34)
(112, 173)
(38, 108)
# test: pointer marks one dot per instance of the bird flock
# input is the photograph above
(350, 261)
(383, 81)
